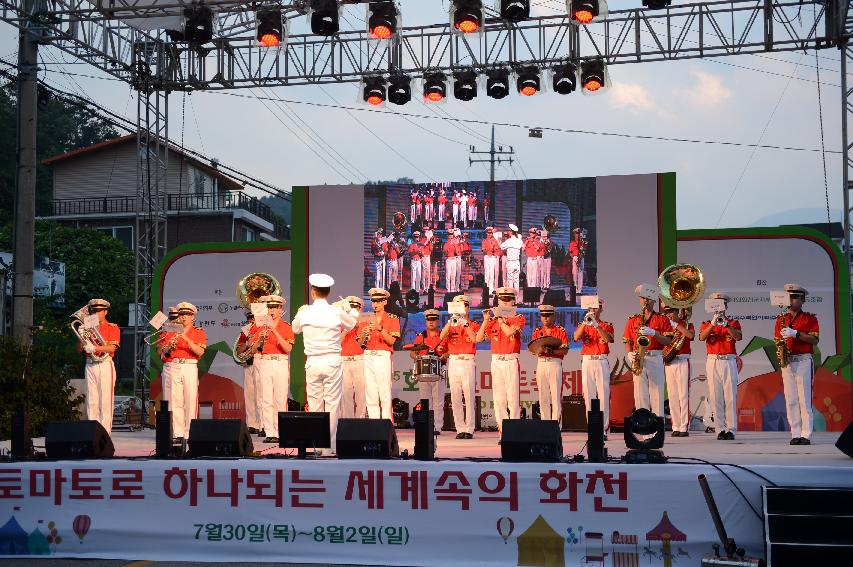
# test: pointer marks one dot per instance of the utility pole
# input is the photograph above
(492, 153)
(25, 188)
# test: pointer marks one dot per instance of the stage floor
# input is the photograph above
(750, 448)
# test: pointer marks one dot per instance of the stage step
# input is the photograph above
(808, 525)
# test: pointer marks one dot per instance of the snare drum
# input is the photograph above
(427, 368)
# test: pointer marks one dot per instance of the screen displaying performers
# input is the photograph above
(425, 243)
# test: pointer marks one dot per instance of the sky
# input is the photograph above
(768, 98)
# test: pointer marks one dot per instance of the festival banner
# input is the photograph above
(462, 513)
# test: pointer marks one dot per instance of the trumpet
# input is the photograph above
(88, 336)
(720, 319)
(589, 318)
(457, 320)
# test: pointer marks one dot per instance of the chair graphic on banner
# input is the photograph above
(594, 548)
(628, 553)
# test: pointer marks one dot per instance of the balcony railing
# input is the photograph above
(227, 200)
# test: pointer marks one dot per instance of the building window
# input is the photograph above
(249, 234)
(123, 233)
(198, 181)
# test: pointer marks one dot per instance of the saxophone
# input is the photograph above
(671, 351)
(782, 354)
(640, 346)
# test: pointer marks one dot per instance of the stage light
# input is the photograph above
(198, 25)
(382, 19)
(399, 89)
(584, 11)
(656, 4)
(325, 16)
(528, 82)
(270, 30)
(497, 84)
(644, 436)
(515, 10)
(373, 90)
(435, 87)
(565, 79)
(465, 84)
(467, 15)
(593, 76)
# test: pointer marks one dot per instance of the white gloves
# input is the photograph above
(647, 331)
(673, 324)
(788, 333)
(89, 349)
(594, 324)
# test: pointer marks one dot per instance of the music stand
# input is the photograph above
(302, 429)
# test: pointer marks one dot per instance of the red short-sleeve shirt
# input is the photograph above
(389, 323)
(720, 341)
(656, 321)
(592, 342)
(803, 322)
(554, 331)
(182, 349)
(458, 341)
(499, 341)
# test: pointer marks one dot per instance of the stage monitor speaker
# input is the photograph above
(424, 422)
(845, 442)
(163, 432)
(367, 439)
(531, 295)
(574, 413)
(573, 296)
(78, 440)
(219, 438)
(555, 297)
(301, 430)
(22, 443)
(531, 440)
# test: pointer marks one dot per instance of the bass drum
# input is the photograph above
(428, 368)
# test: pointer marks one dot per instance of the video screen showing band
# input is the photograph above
(426, 243)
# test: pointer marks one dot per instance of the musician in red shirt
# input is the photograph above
(415, 256)
(352, 367)
(549, 365)
(426, 243)
(491, 264)
(455, 207)
(720, 336)
(801, 332)
(472, 207)
(452, 251)
(678, 370)
(461, 336)
(100, 370)
(379, 248)
(577, 250)
(595, 336)
(428, 200)
(442, 206)
(533, 252)
(649, 383)
(382, 332)
(504, 334)
(250, 390)
(433, 391)
(180, 353)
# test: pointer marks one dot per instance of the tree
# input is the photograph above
(62, 127)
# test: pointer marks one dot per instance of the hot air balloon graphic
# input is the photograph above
(81, 526)
(505, 526)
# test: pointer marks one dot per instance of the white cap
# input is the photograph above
(186, 308)
(647, 291)
(457, 232)
(513, 228)
(321, 280)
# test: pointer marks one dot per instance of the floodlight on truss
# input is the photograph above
(324, 17)
(528, 80)
(594, 77)
(466, 16)
(465, 84)
(583, 12)
(270, 27)
(435, 87)
(383, 19)
(399, 89)
(374, 90)
(513, 10)
(497, 82)
(564, 78)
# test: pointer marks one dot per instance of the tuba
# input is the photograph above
(249, 290)
(550, 224)
(87, 336)
(681, 286)
(399, 221)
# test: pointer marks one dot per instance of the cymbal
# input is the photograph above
(416, 347)
(536, 345)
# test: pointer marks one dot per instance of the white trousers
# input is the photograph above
(100, 388)
(450, 267)
(427, 213)
(463, 213)
(440, 212)
(797, 384)
(425, 275)
(455, 212)
(392, 270)
(416, 274)
(461, 376)
(377, 384)
(513, 271)
(380, 273)
(250, 397)
(503, 270)
(722, 385)
(648, 386)
(472, 213)
(532, 273)
(678, 388)
(272, 381)
(505, 389)
(434, 392)
(577, 273)
(549, 379)
(458, 285)
(413, 210)
(323, 381)
(353, 396)
(545, 273)
(490, 269)
(595, 384)
(180, 389)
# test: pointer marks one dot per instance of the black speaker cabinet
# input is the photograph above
(845, 442)
(78, 440)
(219, 438)
(531, 440)
(367, 439)
(574, 413)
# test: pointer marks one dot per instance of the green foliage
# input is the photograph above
(96, 265)
(46, 392)
(62, 127)
(281, 207)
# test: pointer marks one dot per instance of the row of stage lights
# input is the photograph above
(397, 89)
